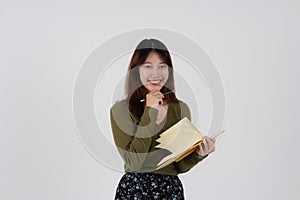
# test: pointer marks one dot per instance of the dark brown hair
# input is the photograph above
(134, 89)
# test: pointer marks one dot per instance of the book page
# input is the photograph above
(178, 139)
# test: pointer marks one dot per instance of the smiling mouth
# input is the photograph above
(155, 82)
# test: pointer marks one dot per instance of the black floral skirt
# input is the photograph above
(149, 186)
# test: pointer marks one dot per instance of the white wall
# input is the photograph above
(254, 44)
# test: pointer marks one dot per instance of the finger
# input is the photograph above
(201, 151)
(160, 96)
(212, 150)
(159, 99)
(154, 95)
(213, 140)
(157, 92)
(204, 145)
(210, 143)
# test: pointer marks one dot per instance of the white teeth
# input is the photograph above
(155, 81)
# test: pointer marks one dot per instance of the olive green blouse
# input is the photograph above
(136, 139)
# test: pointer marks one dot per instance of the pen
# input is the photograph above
(217, 134)
(142, 100)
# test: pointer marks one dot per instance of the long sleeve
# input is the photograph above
(133, 140)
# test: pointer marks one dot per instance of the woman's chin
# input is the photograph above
(154, 87)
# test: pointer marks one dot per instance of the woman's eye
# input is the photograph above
(148, 66)
(163, 66)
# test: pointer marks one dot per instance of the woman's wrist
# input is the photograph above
(200, 155)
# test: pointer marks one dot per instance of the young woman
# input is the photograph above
(149, 108)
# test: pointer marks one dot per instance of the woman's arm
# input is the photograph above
(133, 141)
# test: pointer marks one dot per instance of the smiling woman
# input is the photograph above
(149, 108)
(154, 73)
(150, 72)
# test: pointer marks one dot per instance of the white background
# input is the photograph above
(254, 44)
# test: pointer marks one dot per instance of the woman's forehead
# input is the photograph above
(154, 57)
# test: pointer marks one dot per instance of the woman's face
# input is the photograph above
(154, 72)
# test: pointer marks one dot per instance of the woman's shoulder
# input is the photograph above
(120, 111)
(120, 105)
(179, 109)
(183, 105)
(184, 110)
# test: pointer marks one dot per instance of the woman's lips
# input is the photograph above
(155, 82)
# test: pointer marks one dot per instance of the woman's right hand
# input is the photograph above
(154, 98)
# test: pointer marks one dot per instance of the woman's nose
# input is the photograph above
(155, 71)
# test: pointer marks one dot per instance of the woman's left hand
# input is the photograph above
(207, 146)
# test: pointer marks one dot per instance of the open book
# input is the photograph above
(181, 140)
